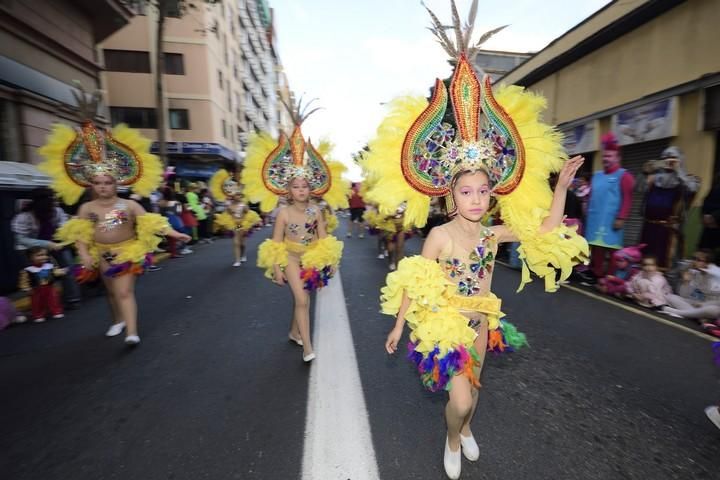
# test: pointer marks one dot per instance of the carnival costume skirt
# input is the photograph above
(442, 338)
(318, 260)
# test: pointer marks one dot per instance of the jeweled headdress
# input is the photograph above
(415, 154)
(223, 185)
(271, 165)
(74, 157)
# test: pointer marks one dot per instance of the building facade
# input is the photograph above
(648, 71)
(219, 82)
(497, 63)
(44, 47)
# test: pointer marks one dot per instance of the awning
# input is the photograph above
(21, 176)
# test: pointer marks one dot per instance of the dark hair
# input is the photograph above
(43, 205)
(32, 251)
(708, 254)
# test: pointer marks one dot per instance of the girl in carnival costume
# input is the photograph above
(112, 235)
(300, 252)
(237, 217)
(498, 148)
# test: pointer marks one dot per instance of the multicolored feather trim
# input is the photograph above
(437, 370)
(314, 279)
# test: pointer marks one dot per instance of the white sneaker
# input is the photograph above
(362, 235)
(20, 319)
(670, 311)
(381, 256)
(713, 414)
(115, 329)
(132, 340)
(185, 251)
(237, 264)
(452, 461)
(392, 267)
(243, 259)
(38, 320)
(470, 448)
(309, 357)
(59, 315)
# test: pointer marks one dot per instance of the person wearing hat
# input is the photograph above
(668, 190)
(608, 207)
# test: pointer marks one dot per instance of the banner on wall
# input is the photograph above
(652, 121)
(581, 138)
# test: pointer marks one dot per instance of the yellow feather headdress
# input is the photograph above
(74, 157)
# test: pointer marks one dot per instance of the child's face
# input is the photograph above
(299, 190)
(649, 265)
(700, 260)
(104, 186)
(472, 195)
(39, 257)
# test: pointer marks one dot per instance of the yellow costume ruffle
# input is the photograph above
(225, 221)
(331, 221)
(434, 314)
(216, 183)
(148, 227)
(249, 220)
(271, 253)
(322, 253)
(337, 195)
(259, 147)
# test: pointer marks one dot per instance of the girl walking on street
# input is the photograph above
(498, 150)
(300, 253)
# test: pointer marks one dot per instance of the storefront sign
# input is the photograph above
(648, 122)
(196, 148)
(196, 171)
(581, 138)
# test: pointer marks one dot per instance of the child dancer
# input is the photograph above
(237, 217)
(444, 294)
(111, 234)
(300, 251)
(39, 280)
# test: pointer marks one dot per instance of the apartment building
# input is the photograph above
(219, 80)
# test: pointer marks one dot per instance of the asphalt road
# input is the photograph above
(215, 390)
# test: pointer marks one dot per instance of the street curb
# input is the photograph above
(21, 300)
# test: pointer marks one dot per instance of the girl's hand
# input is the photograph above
(88, 262)
(392, 340)
(567, 174)
(280, 278)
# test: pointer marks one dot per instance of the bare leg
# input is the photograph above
(116, 318)
(301, 311)
(237, 245)
(124, 293)
(400, 248)
(242, 243)
(458, 408)
(481, 348)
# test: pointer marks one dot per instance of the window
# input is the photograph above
(174, 64)
(127, 61)
(224, 127)
(220, 79)
(179, 119)
(173, 9)
(134, 117)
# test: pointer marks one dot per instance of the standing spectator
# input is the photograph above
(193, 200)
(669, 191)
(208, 205)
(357, 209)
(36, 228)
(608, 207)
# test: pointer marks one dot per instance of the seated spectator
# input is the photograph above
(698, 293)
(649, 287)
(623, 268)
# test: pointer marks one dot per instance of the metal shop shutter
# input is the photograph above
(633, 158)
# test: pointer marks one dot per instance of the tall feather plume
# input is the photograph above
(457, 26)
(470, 25)
(438, 29)
(484, 38)
(88, 108)
(299, 112)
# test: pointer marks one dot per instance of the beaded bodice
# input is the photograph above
(302, 230)
(237, 210)
(114, 218)
(470, 269)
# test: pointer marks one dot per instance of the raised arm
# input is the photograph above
(557, 207)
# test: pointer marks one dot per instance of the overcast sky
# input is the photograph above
(356, 55)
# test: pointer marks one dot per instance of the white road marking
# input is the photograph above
(338, 442)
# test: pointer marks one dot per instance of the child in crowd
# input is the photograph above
(649, 287)
(38, 279)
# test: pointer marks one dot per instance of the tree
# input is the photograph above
(165, 9)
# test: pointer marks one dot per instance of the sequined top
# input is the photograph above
(471, 270)
(117, 216)
(300, 230)
(237, 210)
